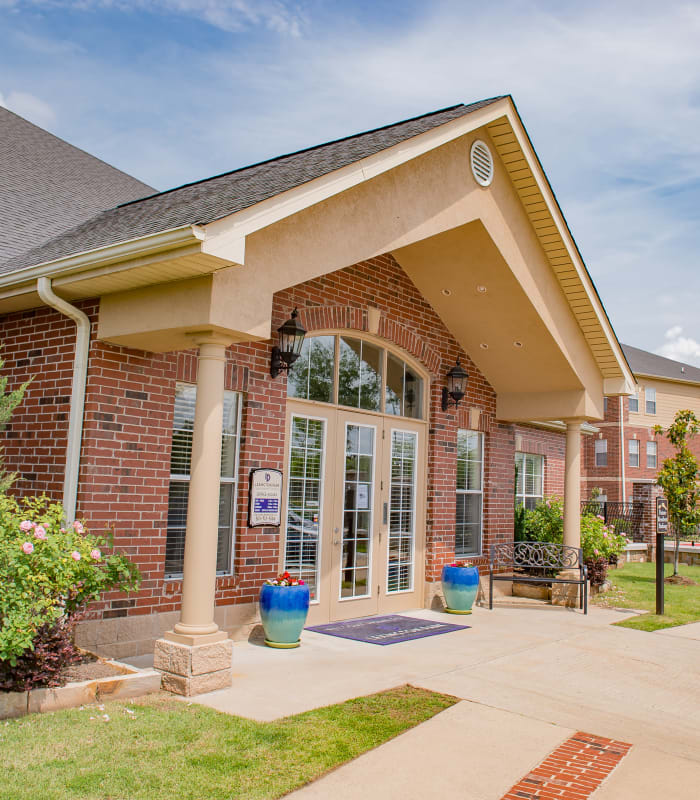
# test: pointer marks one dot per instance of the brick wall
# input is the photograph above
(128, 418)
(647, 493)
(552, 446)
(38, 345)
(608, 478)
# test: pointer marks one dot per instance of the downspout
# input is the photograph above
(622, 446)
(77, 401)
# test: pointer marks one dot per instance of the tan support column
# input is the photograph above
(572, 484)
(564, 594)
(195, 656)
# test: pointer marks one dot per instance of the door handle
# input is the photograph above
(385, 514)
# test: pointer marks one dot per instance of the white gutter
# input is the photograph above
(622, 447)
(122, 251)
(77, 400)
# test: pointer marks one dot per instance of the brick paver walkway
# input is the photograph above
(573, 771)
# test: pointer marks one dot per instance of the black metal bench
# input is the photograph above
(542, 555)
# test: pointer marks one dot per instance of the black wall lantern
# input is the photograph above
(456, 388)
(291, 338)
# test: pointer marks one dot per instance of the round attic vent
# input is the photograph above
(482, 163)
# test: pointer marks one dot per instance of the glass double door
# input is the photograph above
(355, 511)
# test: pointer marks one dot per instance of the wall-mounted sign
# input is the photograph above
(265, 498)
(362, 500)
(661, 515)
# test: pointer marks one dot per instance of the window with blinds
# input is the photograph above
(180, 465)
(601, 452)
(650, 400)
(470, 493)
(634, 452)
(529, 489)
(651, 455)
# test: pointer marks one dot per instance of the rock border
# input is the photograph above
(132, 682)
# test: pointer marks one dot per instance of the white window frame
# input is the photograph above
(319, 543)
(601, 449)
(479, 551)
(521, 496)
(634, 398)
(181, 478)
(652, 452)
(633, 451)
(413, 511)
(650, 400)
(422, 403)
(370, 553)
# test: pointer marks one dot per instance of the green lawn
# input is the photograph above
(634, 586)
(167, 749)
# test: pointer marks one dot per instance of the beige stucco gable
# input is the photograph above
(497, 263)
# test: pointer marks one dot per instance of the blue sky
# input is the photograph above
(176, 90)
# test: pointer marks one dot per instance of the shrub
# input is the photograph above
(48, 574)
(545, 523)
(44, 664)
(600, 543)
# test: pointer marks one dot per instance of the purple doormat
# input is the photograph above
(388, 629)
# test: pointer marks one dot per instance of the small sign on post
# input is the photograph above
(661, 515)
(661, 529)
(265, 498)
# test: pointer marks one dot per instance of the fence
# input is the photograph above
(626, 517)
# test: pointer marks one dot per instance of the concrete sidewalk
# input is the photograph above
(459, 753)
(530, 676)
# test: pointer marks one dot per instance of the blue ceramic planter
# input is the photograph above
(459, 586)
(283, 611)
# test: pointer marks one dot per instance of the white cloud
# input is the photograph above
(29, 106)
(228, 15)
(679, 347)
(610, 93)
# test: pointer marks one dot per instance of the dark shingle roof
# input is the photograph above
(48, 186)
(644, 363)
(213, 198)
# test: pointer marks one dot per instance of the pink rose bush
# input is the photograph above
(49, 574)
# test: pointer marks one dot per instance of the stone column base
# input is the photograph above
(193, 669)
(567, 594)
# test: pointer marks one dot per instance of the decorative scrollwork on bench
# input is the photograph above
(517, 559)
(536, 554)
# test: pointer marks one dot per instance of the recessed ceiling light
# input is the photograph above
(447, 292)
(484, 346)
(516, 343)
(481, 289)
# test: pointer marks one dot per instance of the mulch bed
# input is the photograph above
(89, 669)
(680, 580)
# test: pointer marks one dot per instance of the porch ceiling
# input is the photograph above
(470, 285)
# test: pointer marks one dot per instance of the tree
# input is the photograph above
(679, 477)
(8, 403)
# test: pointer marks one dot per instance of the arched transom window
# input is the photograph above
(357, 373)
